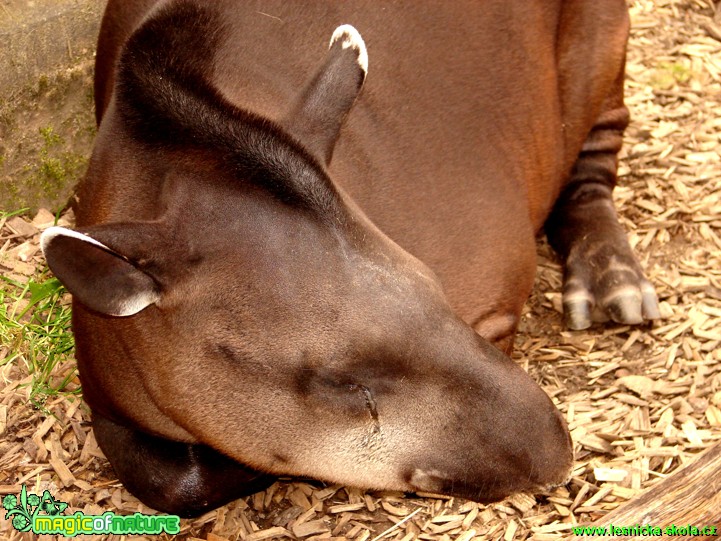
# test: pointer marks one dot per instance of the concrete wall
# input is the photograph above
(46, 115)
(41, 36)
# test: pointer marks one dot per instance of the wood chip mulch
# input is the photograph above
(640, 402)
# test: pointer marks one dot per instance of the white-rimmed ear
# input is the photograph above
(348, 37)
(100, 278)
(322, 106)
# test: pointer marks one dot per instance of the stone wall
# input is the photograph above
(46, 111)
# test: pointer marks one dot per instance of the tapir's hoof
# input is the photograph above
(604, 281)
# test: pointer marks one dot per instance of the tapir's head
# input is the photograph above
(259, 312)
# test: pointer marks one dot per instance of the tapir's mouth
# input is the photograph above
(434, 481)
(554, 485)
(427, 481)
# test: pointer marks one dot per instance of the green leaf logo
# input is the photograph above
(21, 512)
(50, 506)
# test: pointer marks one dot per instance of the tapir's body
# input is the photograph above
(464, 134)
(478, 124)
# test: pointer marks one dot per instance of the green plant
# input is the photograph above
(50, 138)
(669, 74)
(35, 326)
(56, 168)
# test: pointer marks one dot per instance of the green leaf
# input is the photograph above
(24, 498)
(40, 291)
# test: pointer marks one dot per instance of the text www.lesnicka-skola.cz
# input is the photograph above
(647, 530)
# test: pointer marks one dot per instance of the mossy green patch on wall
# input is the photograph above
(46, 65)
(57, 170)
(46, 134)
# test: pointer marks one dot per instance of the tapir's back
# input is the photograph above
(471, 117)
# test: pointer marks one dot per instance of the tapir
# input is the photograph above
(307, 232)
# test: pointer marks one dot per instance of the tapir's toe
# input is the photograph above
(650, 307)
(606, 282)
(577, 307)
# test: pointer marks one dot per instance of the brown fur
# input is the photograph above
(285, 329)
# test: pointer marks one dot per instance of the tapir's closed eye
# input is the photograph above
(369, 398)
(336, 392)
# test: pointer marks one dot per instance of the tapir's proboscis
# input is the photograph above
(301, 259)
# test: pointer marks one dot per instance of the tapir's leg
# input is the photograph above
(174, 477)
(603, 280)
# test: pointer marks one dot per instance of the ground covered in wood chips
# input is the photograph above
(640, 402)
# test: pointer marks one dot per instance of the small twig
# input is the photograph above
(396, 525)
(269, 15)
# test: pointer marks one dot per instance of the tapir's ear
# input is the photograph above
(100, 278)
(318, 115)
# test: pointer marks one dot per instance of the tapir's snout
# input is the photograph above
(493, 432)
(525, 459)
(420, 401)
(537, 462)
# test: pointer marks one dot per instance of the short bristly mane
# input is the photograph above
(166, 96)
